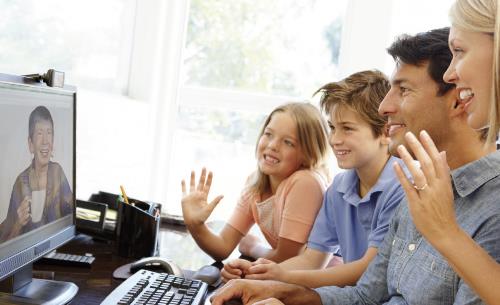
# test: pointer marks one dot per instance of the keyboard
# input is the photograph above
(148, 288)
(64, 259)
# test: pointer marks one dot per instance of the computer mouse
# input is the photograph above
(208, 274)
(158, 264)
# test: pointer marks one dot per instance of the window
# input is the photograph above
(241, 59)
(81, 38)
(169, 86)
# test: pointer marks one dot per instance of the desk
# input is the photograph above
(97, 282)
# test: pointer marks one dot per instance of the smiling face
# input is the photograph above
(352, 139)
(278, 150)
(471, 72)
(41, 143)
(412, 105)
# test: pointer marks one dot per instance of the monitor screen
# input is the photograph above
(37, 171)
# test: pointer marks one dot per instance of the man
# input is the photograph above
(407, 270)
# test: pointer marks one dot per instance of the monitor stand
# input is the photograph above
(22, 288)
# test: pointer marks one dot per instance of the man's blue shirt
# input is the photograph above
(408, 270)
(352, 222)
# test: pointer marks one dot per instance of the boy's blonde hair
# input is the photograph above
(363, 92)
(483, 16)
(312, 140)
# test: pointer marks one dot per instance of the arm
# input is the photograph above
(309, 259)
(473, 264)
(342, 275)
(285, 249)
(432, 210)
(196, 211)
(218, 246)
(253, 291)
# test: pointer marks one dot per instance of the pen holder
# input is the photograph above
(138, 229)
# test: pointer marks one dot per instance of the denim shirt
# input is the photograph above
(408, 270)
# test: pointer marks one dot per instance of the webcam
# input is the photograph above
(52, 78)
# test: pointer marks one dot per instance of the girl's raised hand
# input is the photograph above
(195, 207)
(430, 195)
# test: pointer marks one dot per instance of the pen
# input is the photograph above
(125, 198)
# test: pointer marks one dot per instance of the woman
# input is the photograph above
(474, 43)
(41, 193)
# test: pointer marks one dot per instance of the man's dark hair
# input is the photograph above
(432, 47)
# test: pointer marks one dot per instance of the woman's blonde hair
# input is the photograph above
(312, 141)
(482, 16)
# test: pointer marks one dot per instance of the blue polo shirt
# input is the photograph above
(355, 223)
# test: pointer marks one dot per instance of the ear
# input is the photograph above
(385, 140)
(384, 137)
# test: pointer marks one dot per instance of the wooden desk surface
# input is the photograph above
(97, 282)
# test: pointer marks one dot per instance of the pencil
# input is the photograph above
(125, 198)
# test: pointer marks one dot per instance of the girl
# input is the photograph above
(282, 196)
(474, 43)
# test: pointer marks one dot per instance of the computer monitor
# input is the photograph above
(37, 186)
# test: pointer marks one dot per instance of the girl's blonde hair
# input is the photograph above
(482, 16)
(312, 141)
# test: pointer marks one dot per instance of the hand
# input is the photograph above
(430, 196)
(248, 291)
(247, 245)
(271, 301)
(264, 269)
(195, 207)
(23, 211)
(235, 269)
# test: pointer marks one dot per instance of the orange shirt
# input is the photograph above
(289, 213)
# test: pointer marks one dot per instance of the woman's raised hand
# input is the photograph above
(430, 195)
(195, 207)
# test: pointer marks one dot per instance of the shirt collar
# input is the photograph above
(350, 182)
(473, 175)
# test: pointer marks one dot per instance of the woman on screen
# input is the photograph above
(41, 193)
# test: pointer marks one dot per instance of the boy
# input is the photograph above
(359, 204)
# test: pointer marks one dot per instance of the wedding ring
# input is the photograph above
(420, 188)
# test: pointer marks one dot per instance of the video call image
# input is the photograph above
(36, 168)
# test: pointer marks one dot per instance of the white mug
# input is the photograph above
(37, 205)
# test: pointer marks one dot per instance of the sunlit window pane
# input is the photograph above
(81, 38)
(280, 47)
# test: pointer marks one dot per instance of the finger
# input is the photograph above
(201, 182)
(214, 203)
(183, 186)
(241, 264)
(191, 182)
(26, 201)
(262, 261)
(226, 293)
(426, 164)
(419, 178)
(258, 276)
(208, 183)
(262, 268)
(226, 276)
(271, 301)
(229, 268)
(410, 191)
(441, 168)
